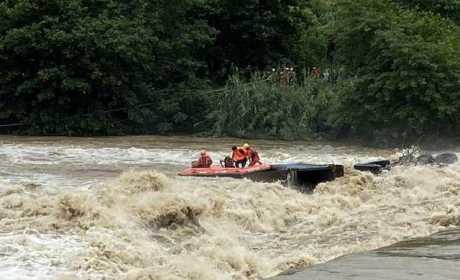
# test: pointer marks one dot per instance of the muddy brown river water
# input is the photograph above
(113, 208)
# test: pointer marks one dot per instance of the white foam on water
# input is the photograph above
(58, 166)
(145, 224)
(58, 223)
(32, 255)
(48, 155)
(81, 155)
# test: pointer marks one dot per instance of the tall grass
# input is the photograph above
(264, 108)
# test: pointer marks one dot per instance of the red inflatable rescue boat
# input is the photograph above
(217, 171)
(305, 176)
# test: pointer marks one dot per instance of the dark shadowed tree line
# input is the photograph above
(355, 67)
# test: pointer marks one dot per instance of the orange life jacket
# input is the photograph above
(239, 154)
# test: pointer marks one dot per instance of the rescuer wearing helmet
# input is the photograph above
(204, 161)
(252, 155)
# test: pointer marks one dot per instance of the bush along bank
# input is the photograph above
(385, 69)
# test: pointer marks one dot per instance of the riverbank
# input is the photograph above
(435, 257)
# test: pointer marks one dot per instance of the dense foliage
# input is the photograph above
(340, 67)
(404, 66)
(266, 108)
(70, 66)
(446, 8)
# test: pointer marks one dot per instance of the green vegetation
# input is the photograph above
(404, 68)
(387, 68)
(266, 108)
(70, 66)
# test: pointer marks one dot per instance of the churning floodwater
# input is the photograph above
(113, 208)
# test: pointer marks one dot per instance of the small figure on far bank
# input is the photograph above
(315, 72)
(204, 161)
(287, 76)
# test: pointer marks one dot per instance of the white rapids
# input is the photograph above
(114, 209)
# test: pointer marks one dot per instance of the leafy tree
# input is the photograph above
(253, 34)
(403, 66)
(71, 66)
(179, 69)
(58, 60)
(153, 66)
(446, 8)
